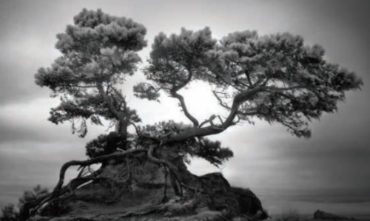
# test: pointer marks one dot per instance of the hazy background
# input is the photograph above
(330, 171)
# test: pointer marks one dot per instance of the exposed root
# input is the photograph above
(61, 192)
(87, 163)
(157, 160)
(172, 169)
(121, 181)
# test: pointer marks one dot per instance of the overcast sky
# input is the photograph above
(267, 158)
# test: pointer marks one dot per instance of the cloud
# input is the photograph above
(32, 163)
(16, 74)
(27, 122)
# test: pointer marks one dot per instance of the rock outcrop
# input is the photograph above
(328, 216)
(134, 190)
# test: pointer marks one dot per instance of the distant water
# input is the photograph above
(355, 204)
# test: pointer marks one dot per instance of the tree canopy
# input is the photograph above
(98, 51)
(274, 77)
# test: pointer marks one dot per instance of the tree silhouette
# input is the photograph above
(97, 53)
(273, 77)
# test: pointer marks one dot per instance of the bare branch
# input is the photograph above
(251, 113)
(210, 120)
(237, 121)
(174, 93)
(221, 102)
(184, 108)
(284, 88)
(205, 131)
(249, 78)
(220, 119)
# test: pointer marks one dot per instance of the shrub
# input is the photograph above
(9, 213)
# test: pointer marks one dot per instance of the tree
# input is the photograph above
(98, 52)
(274, 78)
(9, 213)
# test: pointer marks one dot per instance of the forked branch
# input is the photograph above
(184, 108)
(210, 130)
(174, 94)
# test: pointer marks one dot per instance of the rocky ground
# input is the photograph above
(148, 194)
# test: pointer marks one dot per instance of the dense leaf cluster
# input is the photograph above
(96, 147)
(292, 83)
(98, 50)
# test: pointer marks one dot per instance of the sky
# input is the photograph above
(331, 166)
